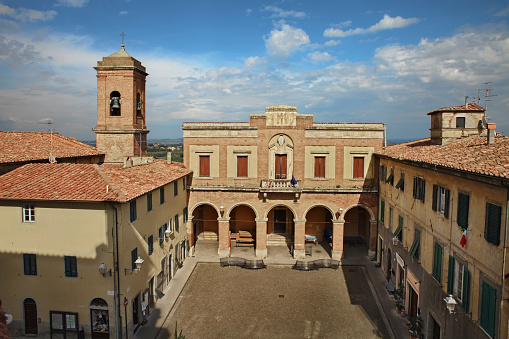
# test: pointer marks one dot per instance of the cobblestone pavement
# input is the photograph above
(276, 302)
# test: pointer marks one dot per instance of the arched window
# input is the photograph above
(115, 102)
(138, 105)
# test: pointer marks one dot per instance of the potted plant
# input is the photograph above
(399, 295)
(415, 327)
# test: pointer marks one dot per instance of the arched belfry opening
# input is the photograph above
(115, 103)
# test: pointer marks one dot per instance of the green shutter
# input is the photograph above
(435, 193)
(446, 204)
(466, 289)
(415, 245)
(493, 219)
(450, 276)
(437, 263)
(463, 205)
(134, 256)
(488, 308)
(423, 189)
(382, 211)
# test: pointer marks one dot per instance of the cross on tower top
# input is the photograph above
(122, 35)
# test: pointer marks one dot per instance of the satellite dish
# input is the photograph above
(52, 159)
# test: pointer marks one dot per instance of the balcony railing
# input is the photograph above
(279, 184)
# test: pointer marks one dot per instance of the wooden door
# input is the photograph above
(280, 166)
(30, 316)
(135, 309)
(414, 298)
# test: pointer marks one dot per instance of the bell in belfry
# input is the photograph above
(115, 103)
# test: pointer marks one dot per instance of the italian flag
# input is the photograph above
(463, 240)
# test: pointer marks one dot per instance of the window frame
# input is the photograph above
(419, 191)
(30, 264)
(441, 200)
(71, 266)
(30, 216)
(461, 125)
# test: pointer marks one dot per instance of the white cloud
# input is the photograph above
(249, 11)
(320, 57)
(332, 43)
(123, 12)
(281, 13)
(282, 42)
(503, 12)
(254, 61)
(72, 3)
(25, 14)
(387, 22)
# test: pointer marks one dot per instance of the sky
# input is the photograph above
(340, 60)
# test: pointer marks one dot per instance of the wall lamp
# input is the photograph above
(221, 210)
(450, 303)
(138, 263)
(340, 211)
(103, 270)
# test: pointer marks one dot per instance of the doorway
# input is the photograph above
(280, 221)
(136, 305)
(30, 308)
(414, 300)
(99, 319)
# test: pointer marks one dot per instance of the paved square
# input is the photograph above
(276, 302)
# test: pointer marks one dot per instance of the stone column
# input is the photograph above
(261, 238)
(299, 241)
(372, 239)
(190, 235)
(338, 230)
(223, 225)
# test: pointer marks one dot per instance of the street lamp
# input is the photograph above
(450, 303)
(103, 268)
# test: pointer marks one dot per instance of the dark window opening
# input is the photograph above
(115, 103)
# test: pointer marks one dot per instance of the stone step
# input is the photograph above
(278, 240)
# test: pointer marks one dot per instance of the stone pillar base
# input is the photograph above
(337, 255)
(191, 251)
(371, 255)
(299, 254)
(223, 252)
(261, 253)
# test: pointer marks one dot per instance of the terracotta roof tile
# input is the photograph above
(463, 108)
(470, 155)
(31, 146)
(87, 182)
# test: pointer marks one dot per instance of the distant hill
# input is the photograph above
(398, 141)
(179, 141)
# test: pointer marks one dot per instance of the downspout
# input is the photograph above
(503, 261)
(385, 136)
(116, 277)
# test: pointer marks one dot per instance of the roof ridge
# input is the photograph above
(108, 180)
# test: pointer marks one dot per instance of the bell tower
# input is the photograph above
(121, 131)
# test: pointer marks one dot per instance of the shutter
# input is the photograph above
(463, 203)
(415, 188)
(380, 170)
(358, 167)
(67, 264)
(450, 276)
(204, 166)
(283, 166)
(466, 289)
(493, 219)
(26, 264)
(382, 211)
(488, 308)
(134, 256)
(416, 243)
(437, 263)
(242, 166)
(446, 205)
(423, 189)
(435, 193)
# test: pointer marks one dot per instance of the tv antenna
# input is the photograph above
(49, 121)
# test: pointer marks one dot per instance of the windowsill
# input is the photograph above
(204, 178)
(358, 179)
(241, 178)
(320, 179)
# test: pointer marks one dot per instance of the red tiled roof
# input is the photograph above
(31, 146)
(87, 182)
(470, 155)
(463, 108)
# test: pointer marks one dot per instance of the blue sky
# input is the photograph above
(343, 61)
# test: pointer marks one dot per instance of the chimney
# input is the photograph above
(491, 133)
(168, 157)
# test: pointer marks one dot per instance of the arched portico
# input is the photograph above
(357, 227)
(203, 223)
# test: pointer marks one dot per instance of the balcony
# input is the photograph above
(279, 185)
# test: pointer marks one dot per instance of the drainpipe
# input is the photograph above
(116, 276)
(503, 261)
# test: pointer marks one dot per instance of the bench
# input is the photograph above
(244, 239)
(310, 238)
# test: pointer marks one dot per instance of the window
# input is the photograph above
(115, 103)
(437, 262)
(184, 184)
(162, 233)
(492, 226)
(30, 264)
(28, 213)
(419, 188)
(176, 222)
(382, 211)
(319, 167)
(488, 308)
(150, 242)
(401, 183)
(242, 166)
(161, 195)
(132, 210)
(441, 200)
(184, 215)
(134, 257)
(390, 179)
(398, 233)
(391, 212)
(383, 173)
(170, 223)
(175, 188)
(149, 202)
(204, 165)
(458, 282)
(460, 122)
(415, 249)
(71, 266)
(358, 167)
(463, 204)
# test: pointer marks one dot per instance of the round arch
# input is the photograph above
(319, 205)
(242, 204)
(267, 211)
(370, 212)
(201, 203)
